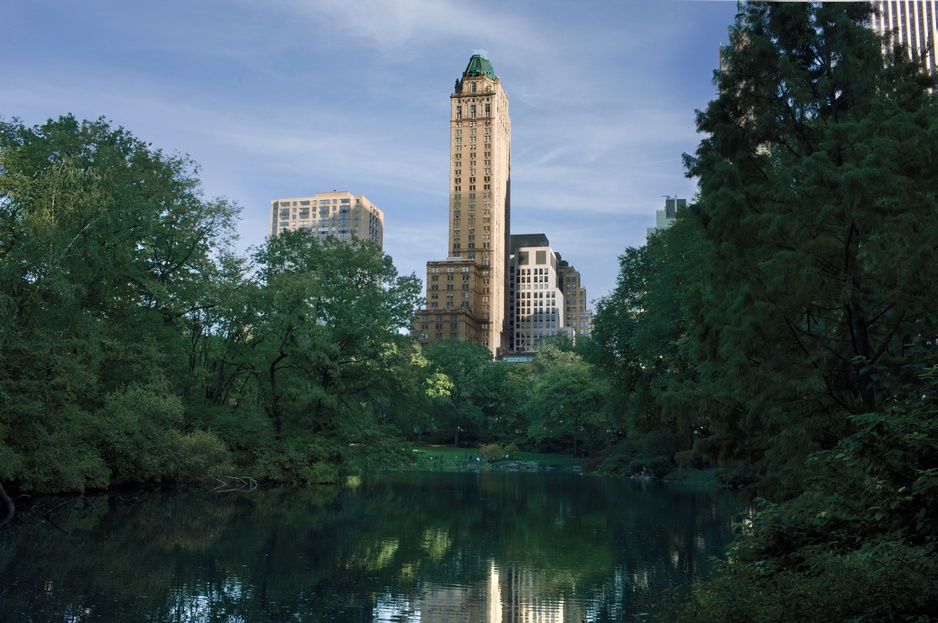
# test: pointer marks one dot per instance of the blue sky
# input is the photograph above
(286, 98)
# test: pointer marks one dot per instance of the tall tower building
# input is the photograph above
(467, 292)
(912, 24)
(339, 214)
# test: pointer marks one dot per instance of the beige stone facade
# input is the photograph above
(467, 293)
(338, 213)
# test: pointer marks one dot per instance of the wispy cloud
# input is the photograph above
(406, 28)
(293, 97)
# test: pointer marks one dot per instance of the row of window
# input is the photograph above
(449, 286)
(465, 277)
(322, 202)
(472, 204)
(458, 172)
(472, 196)
(472, 187)
(472, 108)
(458, 139)
(472, 160)
(486, 212)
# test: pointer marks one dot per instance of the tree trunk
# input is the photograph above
(10, 507)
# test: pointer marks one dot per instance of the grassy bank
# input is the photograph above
(448, 458)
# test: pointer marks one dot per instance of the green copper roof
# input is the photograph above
(479, 65)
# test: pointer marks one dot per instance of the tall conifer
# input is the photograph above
(817, 211)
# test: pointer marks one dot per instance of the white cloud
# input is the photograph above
(405, 28)
(296, 97)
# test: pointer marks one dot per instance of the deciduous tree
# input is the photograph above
(464, 364)
(325, 332)
(104, 243)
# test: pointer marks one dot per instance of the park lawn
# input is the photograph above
(552, 460)
(456, 457)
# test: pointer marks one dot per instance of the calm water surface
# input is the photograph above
(466, 547)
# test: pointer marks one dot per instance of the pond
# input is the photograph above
(412, 546)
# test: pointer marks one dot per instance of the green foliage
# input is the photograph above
(199, 454)
(567, 402)
(135, 429)
(326, 325)
(105, 245)
(813, 325)
(464, 393)
(652, 453)
(815, 211)
(859, 544)
(138, 434)
(493, 452)
(139, 349)
(640, 335)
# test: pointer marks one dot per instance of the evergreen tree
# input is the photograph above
(817, 217)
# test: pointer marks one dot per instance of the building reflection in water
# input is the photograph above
(512, 596)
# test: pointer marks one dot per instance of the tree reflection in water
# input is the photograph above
(472, 547)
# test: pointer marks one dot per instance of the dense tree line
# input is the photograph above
(138, 348)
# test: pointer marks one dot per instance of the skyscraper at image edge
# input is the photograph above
(912, 24)
(467, 292)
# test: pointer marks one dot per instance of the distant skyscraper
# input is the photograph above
(466, 293)
(577, 317)
(912, 24)
(665, 218)
(338, 213)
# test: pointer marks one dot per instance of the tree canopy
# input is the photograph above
(137, 347)
(104, 246)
